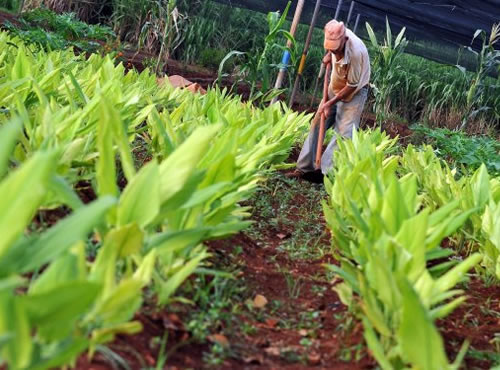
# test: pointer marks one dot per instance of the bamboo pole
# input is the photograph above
(357, 23)
(286, 54)
(337, 12)
(304, 53)
(350, 13)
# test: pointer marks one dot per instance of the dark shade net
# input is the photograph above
(450, 22)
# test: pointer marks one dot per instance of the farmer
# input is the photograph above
(347, 92)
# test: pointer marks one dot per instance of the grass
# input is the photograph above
(292, 208)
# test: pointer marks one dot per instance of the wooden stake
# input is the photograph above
(304, 53)
(350, 13)
(286, 54)
(356, 24)
(321, 137)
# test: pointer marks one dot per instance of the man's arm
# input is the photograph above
(345, 92)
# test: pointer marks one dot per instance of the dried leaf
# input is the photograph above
(219, 338)
(271, 323)
(273, 351)
(314, 358)
(259, 301)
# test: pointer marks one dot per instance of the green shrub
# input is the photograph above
(465, 152)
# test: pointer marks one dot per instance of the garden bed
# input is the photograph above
(303, 324)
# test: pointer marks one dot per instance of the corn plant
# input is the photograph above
(384, 238)
(257, 66)
(385, 67)
(488, 60)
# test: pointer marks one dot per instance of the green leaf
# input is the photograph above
(140, 201)
(64, 192)
(120, 242)
(64, 235)
(120, 304)
(371, 35)
(8, 138)
(106, 167)
(168, 288)
(375, 346)
(175, 241)
(55, 312)
(21, 193)
(65, 353)
(68, 267)
(107, 334)
(480, 183)
(15, 324)
(420, 341)
(178, 167)
(452, 277)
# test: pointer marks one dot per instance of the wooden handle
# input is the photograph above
(321, 137)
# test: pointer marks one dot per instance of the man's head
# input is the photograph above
(335, 36)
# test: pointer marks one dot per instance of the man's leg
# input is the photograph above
(348, 118)
(307, 156)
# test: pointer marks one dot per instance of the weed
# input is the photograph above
(293, 284)
(217, 355)
(465, 152)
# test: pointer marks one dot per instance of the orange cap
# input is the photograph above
(334, 33)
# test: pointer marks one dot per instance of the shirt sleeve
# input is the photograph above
(355, 70)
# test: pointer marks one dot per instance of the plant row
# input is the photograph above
(168, 170)
(389, 215)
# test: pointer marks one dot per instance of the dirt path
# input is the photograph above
(302, 325)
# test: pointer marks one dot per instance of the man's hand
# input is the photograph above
(325, 107)
(327, 58)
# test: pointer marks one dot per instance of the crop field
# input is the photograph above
(147, 225)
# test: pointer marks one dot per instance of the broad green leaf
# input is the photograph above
(120, 242)
(421, 343)
(175, 241)
(456, 274)
(107, 334)
(106, 167)
(65, 353)
(178, 167)
(62, 236)
(171, 285)
(64, 192)
(375, 346)
(21, 193)
(68, 267)
(480, 183)
(145, 269)
(120, 304)
(15, 324)
(140, 201)
(55, 312)
(8, 138)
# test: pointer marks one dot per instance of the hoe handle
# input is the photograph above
(321, 137)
